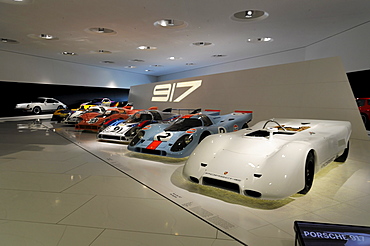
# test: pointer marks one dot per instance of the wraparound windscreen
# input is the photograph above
(316, 89)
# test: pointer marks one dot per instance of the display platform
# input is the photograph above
(340, 193)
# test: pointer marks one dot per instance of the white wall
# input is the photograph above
(315, 89)
(351, 46)
(23, 68)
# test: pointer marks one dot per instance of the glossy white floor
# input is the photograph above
(59, 186)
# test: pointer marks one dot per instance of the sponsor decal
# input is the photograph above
(165, 92)
(236, 127)
(147, 127)
(226, 172)
(222, 176)
(191, 130)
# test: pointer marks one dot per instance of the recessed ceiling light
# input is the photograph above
(201, 43)
(9, 41)
(173, 58)
(156, 65)
(43, 36)
(250, 15)
(104, 52)
(107, 62)
(130, 67)
(219, 55)
(190, 64)
(67, 53)
(170, 23)
(136, 60)
(16, 1)
(148, 70)
(101, 30)
(144, 47)
(260, 40)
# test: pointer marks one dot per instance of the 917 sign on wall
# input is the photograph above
(165, 92)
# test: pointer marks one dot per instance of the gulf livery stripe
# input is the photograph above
(154, 144)
(243, 111)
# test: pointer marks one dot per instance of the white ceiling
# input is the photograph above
(291, 23)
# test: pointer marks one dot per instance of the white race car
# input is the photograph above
(273, 159)
(41, 104)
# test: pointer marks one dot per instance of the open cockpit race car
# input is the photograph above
(124, 131)
(272, 160)
(181, 137)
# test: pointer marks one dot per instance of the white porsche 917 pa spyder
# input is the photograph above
(272, 160)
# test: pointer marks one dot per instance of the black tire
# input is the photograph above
(36, 110)
(308, 172)
(245, 125)
(60, 107)
(343, 157)
(203, 136)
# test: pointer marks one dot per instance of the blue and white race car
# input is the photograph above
(180, 138)
(126, 130)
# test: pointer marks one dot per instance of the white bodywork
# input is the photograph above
(268, 161)
(40, 105)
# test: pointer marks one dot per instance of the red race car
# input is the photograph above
(92, 121)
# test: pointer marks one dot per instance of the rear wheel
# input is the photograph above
(309, 172)
(36, 110)
(343, 157)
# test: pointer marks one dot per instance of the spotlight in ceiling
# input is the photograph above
(101, 30)
(107, 62)
(144, 47)
(202, 43)
(9, 41)
(260, 40)
(43, 36)
(104, 52)
(130, 67)
(156, 65)
(170, 23)
(190, 64)
(67, 53)
(173, 58)
(136, 60)
(218, 55)
(250, 15)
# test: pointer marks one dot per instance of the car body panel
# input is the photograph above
(267, 161)
(181, 137)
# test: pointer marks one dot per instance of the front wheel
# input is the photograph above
(36, 110)
(309, 172)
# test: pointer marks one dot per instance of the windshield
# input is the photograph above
(139, 117)
(184, 124)
(38, 100)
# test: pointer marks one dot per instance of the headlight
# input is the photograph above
(182, 142)
(140, 135)
(188, 139)
(137, 138)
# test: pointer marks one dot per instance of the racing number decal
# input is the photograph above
(163, 136)
(236, 127)
(221, 129)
